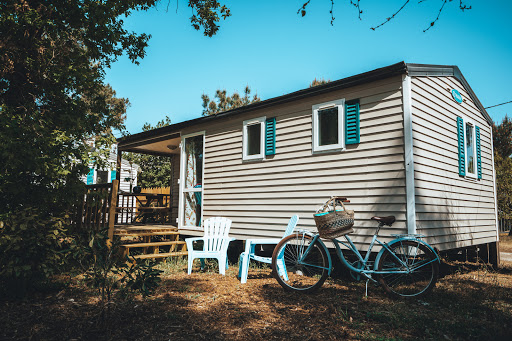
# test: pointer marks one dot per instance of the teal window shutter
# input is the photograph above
(352, 135)
(113, 175)
(460, 144)
(270, 136)
(90, 176)
(478, 153)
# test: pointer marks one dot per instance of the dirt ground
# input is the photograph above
(471, 301)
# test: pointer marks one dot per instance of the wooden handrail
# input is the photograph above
(112, 210)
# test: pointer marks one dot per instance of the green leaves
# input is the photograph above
(207, 14)
(502, 141)
(53, 97)
(31, 247)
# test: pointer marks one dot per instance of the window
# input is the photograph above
(328, 126)
(101, 177)
(253, 139)
(470, 149)
(468, 135)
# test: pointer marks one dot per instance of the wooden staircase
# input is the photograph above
(149, 240)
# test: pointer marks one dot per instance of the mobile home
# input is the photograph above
(407, 140)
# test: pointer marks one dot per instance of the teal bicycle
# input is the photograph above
(407, 266)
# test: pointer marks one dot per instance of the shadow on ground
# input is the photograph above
(468, 303)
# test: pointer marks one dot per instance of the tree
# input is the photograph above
(53, 101)
(317, 82)
(225, 102)
(357, 5)
(53, 98)
(502, 141)
(155, 170)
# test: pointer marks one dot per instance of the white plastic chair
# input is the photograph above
(215, 243)
(250, 244)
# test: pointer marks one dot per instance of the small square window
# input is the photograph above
(253, 139)
(328, 126)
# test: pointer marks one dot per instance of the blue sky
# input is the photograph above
(266, 45)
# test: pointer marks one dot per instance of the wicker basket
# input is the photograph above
(335, 223)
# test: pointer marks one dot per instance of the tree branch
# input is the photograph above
(438, 15)
(358, 6)
(391, 17)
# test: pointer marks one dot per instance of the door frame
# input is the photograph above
(181, 203)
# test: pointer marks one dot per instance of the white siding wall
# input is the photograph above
(452, 211)
(127, 172)
(261, 196)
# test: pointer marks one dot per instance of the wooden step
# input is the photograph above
(144, 234)
(153, 244)
(161, 255)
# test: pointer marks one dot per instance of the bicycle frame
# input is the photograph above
(365, 270)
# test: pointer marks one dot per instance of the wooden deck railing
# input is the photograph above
(146, 207)
(98, 209)
(101, 209)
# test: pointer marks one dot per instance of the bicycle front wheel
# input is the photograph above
(412, 269)
(298, 264)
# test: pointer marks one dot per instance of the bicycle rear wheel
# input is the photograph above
(299, 265)
(421, 262)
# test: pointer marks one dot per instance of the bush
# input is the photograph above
(109, 273)
(31, 249)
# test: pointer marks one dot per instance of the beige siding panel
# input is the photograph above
(285, 159)
(463, 239)
(378, 136)
(445, 166)
(445, 183)
(318, 194)
(452, 211)
(439, 224)
(438, 190)
(426, 203)
(261, 196)
(360, 152)
(312, 169)
(287, 179)
(470, 183)
(440, 93)
(373, 186)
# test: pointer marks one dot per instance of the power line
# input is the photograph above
(497, 105)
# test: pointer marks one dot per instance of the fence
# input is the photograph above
(158, 190)
(98, 207)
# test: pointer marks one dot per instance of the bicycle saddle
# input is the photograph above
(385, 220)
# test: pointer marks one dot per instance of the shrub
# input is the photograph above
(31, 249)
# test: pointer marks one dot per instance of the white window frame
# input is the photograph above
(183, 190)
(261, 155)
(466, 121)
(340, 146)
